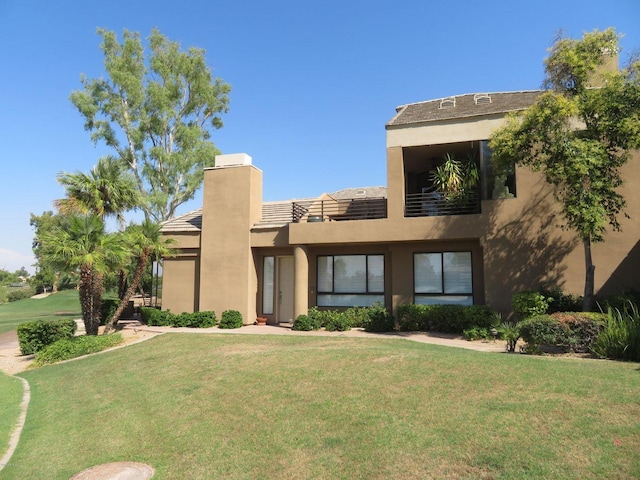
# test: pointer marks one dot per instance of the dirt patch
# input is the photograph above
(119, 470)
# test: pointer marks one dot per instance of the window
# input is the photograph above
(443, 278)
(495, 186)
(350, 280)
(267, 285)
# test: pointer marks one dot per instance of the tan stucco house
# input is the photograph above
(397, 245)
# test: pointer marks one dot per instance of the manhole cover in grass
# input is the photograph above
(116, 471)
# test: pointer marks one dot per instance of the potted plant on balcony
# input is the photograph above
(456, 180)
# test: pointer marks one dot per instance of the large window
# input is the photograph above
(495, 185)
(350, 280)
(443, 278)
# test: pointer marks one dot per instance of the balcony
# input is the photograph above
(434, 205)
(333, 210)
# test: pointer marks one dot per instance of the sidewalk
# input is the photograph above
(11, 362)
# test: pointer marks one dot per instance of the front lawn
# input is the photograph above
(248, 406)
(65, 304)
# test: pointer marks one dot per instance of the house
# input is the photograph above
(401, 244)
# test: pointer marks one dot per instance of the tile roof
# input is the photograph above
(362, 192)
(274, 214)
(189, 222)
(463, 106)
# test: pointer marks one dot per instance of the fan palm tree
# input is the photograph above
(145, 242)
(108, 190)
(85, 247)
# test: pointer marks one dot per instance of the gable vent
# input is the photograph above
(481, 98)
(448, 102)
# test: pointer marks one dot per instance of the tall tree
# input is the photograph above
(145, 243)
(579, 134)
(85, 247)
(157, 113)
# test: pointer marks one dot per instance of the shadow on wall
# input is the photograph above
(523, 246)
(625, 277)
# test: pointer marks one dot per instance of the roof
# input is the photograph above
(362, 192)
(189, 222)
(274, 214)
(463, 106)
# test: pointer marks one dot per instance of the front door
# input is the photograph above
(285, 289)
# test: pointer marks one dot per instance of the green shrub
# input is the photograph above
(620, 337)
(581, 329)
(540, 330)
(573, 331)
(67, 348)
(445, 318)
(337, 321)
(231, 319)
(477, 333)
(320, 318)
(303, 323)
(34, 336)
(528, 304)
(411, 317)
(358, 316)
(558, 301)
(155, 317)
(20, 294)
(378, 319)
(194, 320)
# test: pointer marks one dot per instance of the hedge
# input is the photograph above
(164, 318)
(569, 331)
(445, 318)
(34, 336)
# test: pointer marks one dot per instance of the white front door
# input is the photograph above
(285, 289)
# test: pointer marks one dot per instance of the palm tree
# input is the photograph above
(145, 242)
(85, 247)
(108, 190)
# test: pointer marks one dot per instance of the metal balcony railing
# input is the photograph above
(433, 205)
(339, 209)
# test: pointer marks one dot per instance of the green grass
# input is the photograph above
(10, 398)
(243, 406)
(58, 305)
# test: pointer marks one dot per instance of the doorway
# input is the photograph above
(285, 273)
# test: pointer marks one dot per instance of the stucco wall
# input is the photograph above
(180, 283)
(232, 204)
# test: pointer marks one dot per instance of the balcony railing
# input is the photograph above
(339, 209)
(434, 205)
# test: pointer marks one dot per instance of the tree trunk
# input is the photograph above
(90, 292)
(135, 281)
(589, 280)
(122, 284)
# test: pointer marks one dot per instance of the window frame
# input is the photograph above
(463, 298)
(369, 290)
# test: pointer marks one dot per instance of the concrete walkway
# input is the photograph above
(422, 337)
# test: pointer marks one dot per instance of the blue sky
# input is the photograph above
(314, 82)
